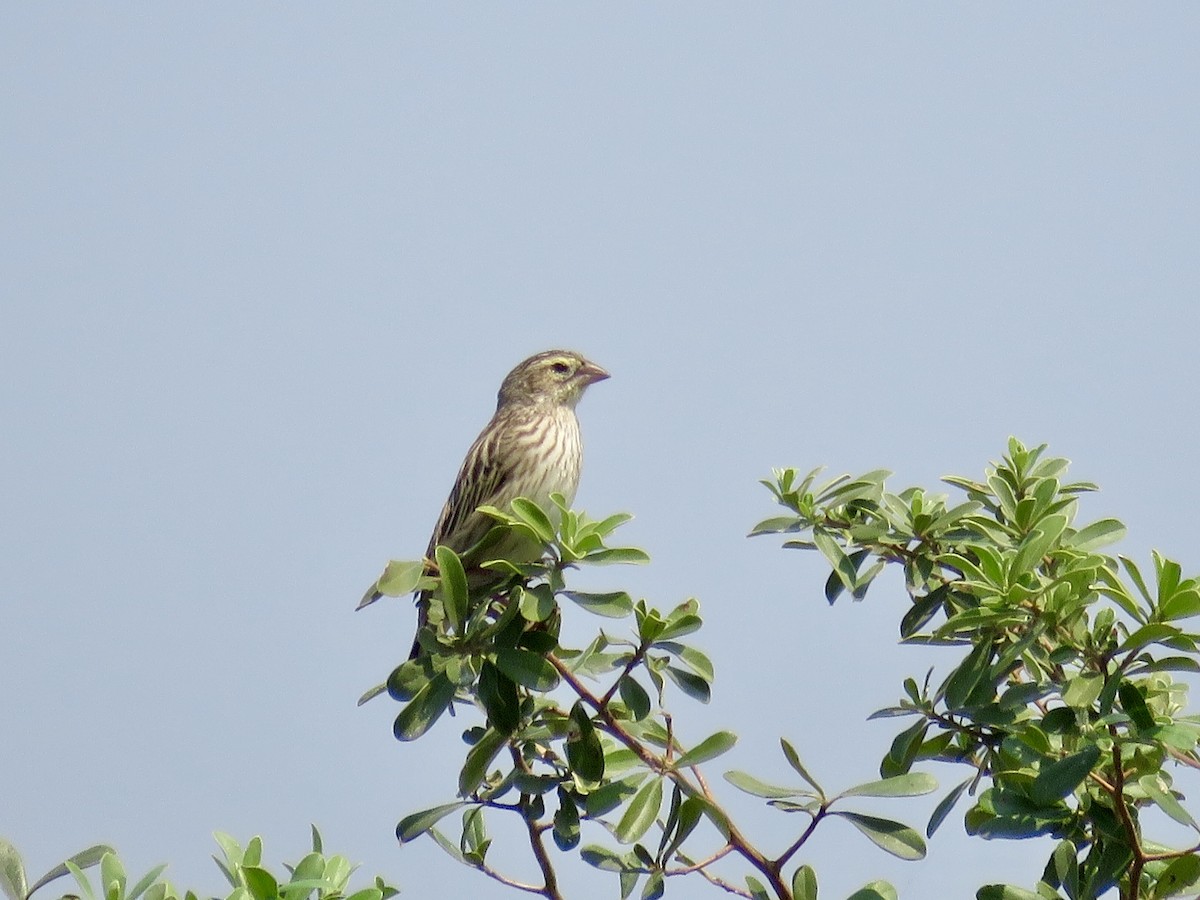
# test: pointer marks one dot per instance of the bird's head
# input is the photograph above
(553, 377)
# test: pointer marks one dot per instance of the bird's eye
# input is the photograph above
(560, 368)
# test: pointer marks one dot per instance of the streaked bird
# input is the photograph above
(531, 448)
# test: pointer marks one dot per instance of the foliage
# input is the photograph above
(315, 877)
(569, 739)
(1063, 708)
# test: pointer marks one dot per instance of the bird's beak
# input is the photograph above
(590, 373)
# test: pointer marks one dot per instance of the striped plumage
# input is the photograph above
(531, 448)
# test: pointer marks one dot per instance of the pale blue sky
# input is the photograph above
(263, 267)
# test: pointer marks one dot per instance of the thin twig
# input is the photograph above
(716, 880)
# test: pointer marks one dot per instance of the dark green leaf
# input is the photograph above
(634, 696)
(793, 759)
(566, 823)
(532, 670)
(924, 609)
(709, 748)
(1134, 705)
(893, 837)
(498, 694)
(692, 685)
(585, 754)
(1005, 892)
(641, 812)
(418, 823)
(945, 805)
(479, 758)
(655, 886)
(1058, 779)
(690, 812)
(454, 587)
(602, 858)
(425, 708)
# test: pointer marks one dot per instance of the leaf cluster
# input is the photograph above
(1064, 705)
(315, 877)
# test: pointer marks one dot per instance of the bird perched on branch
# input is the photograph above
(531, 448)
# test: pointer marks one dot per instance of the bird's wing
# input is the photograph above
(486, 472)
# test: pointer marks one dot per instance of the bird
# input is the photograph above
(530, 448)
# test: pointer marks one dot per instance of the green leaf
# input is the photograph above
(616, 556)
(498, 694)
(634, 696)
(655, 886)
(418, 823)
(690, 812)
(1181, 874)
(260, 883)
(751, 785)
(454, 587)
(1148, 634)
(876, 890)
(1183, 604)
(775, 525)
(425, 708)
(709, 748)
(1096, 535)
(536, 604)
(945, 805)
(893, 837)
(532, 670)
(399, 577)
(804, 883)
(913, 784)
(793, 759)
(143, 884)
(758, 891)
(843, 567)
(566, 823)
(616, 605)
(535, 517)
(692, 685)
(81, 860)
(1134, 705)
(602, 858)
(12, 872)
(479, 758)
(1058, 779)
(1006, 892)
(641, 812)
(585, 754)
(1165, 800)
(1083, 690)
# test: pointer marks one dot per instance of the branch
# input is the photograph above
(736, 839)
(549, 889)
